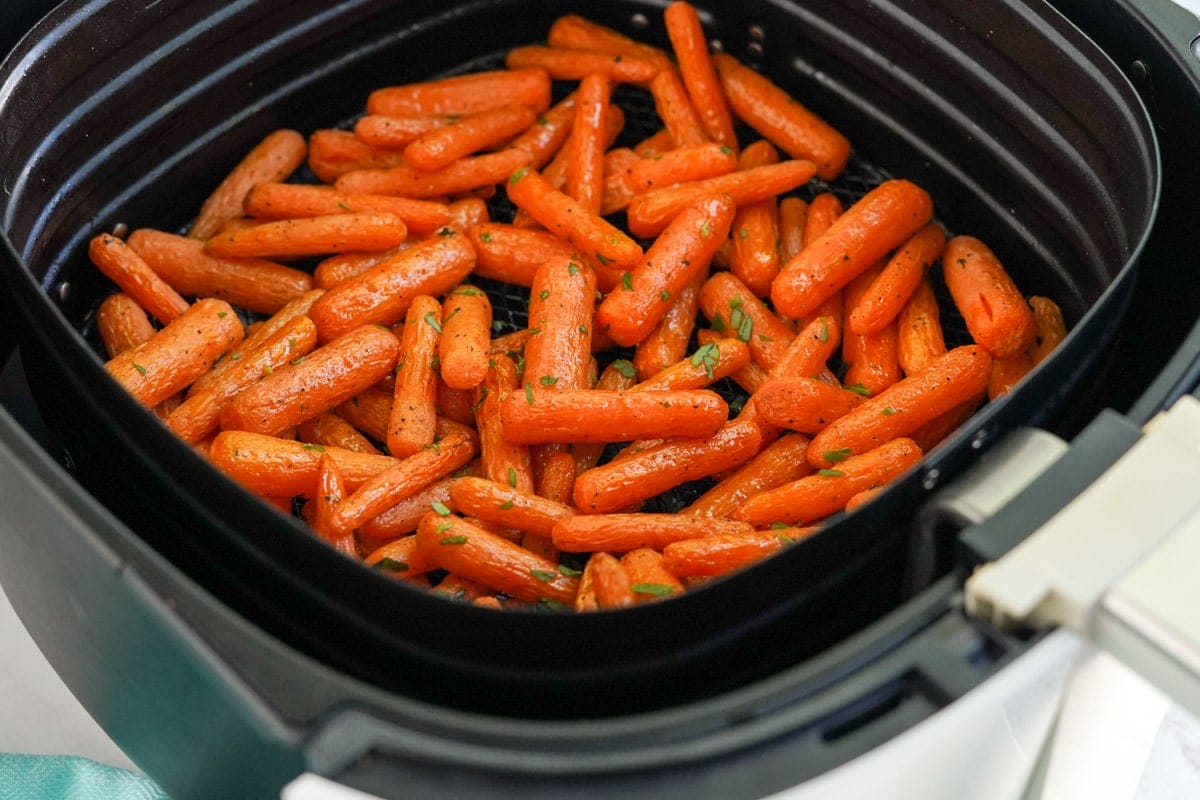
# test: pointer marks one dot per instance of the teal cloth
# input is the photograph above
(25, 777)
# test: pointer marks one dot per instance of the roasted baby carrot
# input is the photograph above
(780, 118)
(710, 363)
(369, 411)
(401, 558)
(508, 507)
(1008, 371)
(470, 133)
(732, 309)
(122, 323)
(546, 137)
(667, 341)
(342, 267)
(905, 406)
(881, 302)
(293, 200)
(573, 32)
(639, 476)
(779, 462)
(811, 349)
(511, 254)
(307, 236)
(649, 213)
(464, 94)
(332, 153)
(723, 553)
(333, 430)
(604, 584)
(174, 357)
(816, 496)
(617, 376)
(824, 209)
(402, 518)
(558, 351)
(803, 404)
(273, 159)
(1050, 326)
(413, 421)
(330, 491)
(594, 238)
(253, 284)
(649, 579)
(573, 65)
(620, 533)
(592, 415)
(992, 306)
(588, 141)
(871, 359)
(464, 175)
(696, 69)
(328, 376)
(503, 460)
(919, 338)
(681, 253)
(123, 266)
(754, 255)
(675, 108)
(680, 165)
(382, 294)
(268, 465)
(396, 132)
(466, 331)
(750, 377)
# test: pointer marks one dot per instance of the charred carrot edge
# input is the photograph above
(413, 420)
(174, 357)
(815, 497)
(793, 216)
(382, 294)
(273, 159)
(675, 108)
(676, 258)
(620, 533)
(1050, 326)
(129, 271)
(504, 461)
(779, 462)
(464, 94)
(262, 287)
(594, 238)
(919, 338)
(506, 506)
(905, 406)
(649, 213)
(884, 218)
(468, 134)
(754, 256)
(380, 130)
(649, 579)
(466, 549)
(464, 175)
(778, 117)
(407, 476)
(732, 309)
(122, 323)
(328, 376)
(330, 491)
(710, 363)
(803, 404)
(332, 153)
(721, 554)
(631, 479)
(558, 351)
(268, 465)
(330, 429)
(291, 200)
(585, 171)
(545, 138)
(872, 360)
(992, 307)
(466, 331)
(667, 342)
(199, 414)
(698, 73)
(680, 165)
(881, 302)
(567, 65)
(307, 236)
(591, 415)
(573, 32)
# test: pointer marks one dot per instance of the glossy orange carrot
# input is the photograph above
(585, 170)
(456, 404)
(129, 271)
(675, 108)
(793, 216)
(307, 236)
(732, 309)
(481, 130)
(558, 351)
(557, 481)
(413, 420)
(555, 172)
(676, 258)
(292, 200)
(594, 238)
(779, 462)
(780, 118)
(464, 94)
(330, 491)
(402, 518)
(468, 211)
(1008, 371)
(906, 405)
(328, 376)
(407, 476)
(803, 404)
(750, 377)
(826, 492)
(680, 165)
(636, 477)
(699, 76)
(332, 153)
(710, 363)
(369, 411)
(871, 359)
(809, 352)
(396, 132)
(511, 254)
(466, 549)
(649, 213)
(401, 558)
(667, 342)
(573, 65)
(122, 323)
(655, 144)
(937, 429)
(884, 218)
(620, 533)
(992, 306)
(881, 302)
(340, 267)
(1050, 326)
(268, 465)
(197, 417)
(573, 32)
(545, 138)
(382, 294)
(721, 554)
(604, 584)
(333, 430)
(649, 579)
(824, 209)
(919, 338)
(506, 506)
(464, 175)
(754, 256)
(504, 461)
(273, 159)
(591, 415)
(253, 284)
(174, 357)
(466, 331)
(617, 376)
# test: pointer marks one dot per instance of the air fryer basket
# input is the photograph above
(1023, 133)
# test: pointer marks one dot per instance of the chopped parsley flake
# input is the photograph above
(656, 589)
